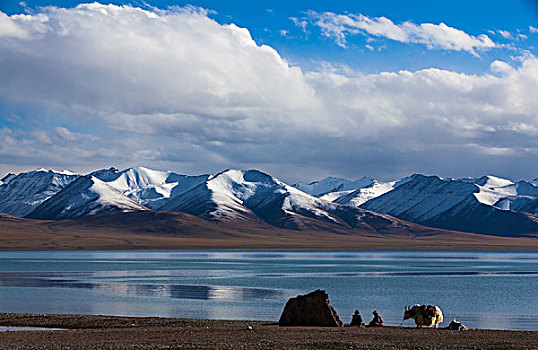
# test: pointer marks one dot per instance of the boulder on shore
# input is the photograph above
(311, 309)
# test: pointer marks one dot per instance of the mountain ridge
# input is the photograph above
(487, 204)
(451, 204)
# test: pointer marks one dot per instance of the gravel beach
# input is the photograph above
(111, 332)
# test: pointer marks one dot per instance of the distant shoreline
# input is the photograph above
(185, 232)
(227, 248)
(167, 230)
(110, 332)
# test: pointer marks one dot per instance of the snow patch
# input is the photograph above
(108, 196)
(362, 195)
(491, 182)
(62, 172)
(332, 184)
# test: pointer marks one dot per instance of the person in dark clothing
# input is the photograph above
(356, 320)
(377, 321)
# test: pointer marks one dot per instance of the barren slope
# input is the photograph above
(164, 230)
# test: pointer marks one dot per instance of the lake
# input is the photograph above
(482, 289)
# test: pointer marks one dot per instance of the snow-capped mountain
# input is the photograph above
(364, 194)
(150, 188)
(20, 194)
(521, 196)
(428, 205)
(87, 195)
(331, 188)
(487, 204)
(475, 206)
(252, 194)
(505, 194)
(221, 196)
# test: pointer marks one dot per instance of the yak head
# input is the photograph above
(408, 314)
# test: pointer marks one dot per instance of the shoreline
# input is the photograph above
(278, 249)
(164, 230)
(96, 241)
(118, 332)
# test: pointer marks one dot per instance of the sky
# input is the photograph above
(299, 89)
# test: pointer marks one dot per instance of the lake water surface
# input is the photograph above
(482, 289)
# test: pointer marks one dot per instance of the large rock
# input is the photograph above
(311, 309)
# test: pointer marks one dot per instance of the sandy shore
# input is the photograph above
(109, 332)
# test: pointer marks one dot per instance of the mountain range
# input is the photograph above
(486, 205)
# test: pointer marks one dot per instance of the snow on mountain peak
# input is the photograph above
(62, 172)
(109, 196)
(230, 188)
(221, 196)
(364, 194)
(461, 205)
(21, 193)
(507, 195)
(7, 178)
(135, 178)
(520, 196)
(87, 195)
(303, 203)
(241, 183)
(490, 181)
(332, 184)
(106, 175)
(421, 198)
(243, 194)
(151, 188)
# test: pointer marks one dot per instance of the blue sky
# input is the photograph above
(475, 18)
(266, 19)
(378, 88)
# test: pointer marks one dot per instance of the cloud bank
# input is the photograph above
(434, 36)
(100, 85)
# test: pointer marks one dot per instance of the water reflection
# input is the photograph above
(16, 329)
(396, 274)
(227, 293)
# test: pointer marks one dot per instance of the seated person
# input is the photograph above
(377, 321)
(356, 320)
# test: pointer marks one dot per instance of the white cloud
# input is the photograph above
(177, 90)
(300, 23)
(500, 67)
(434, 36)
(505, 34)
(533, 30)
(9, 27)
